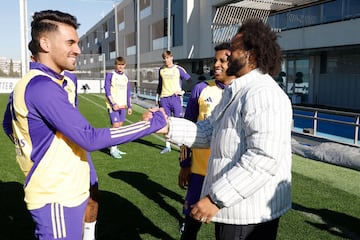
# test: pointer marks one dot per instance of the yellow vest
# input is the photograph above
(209, 97)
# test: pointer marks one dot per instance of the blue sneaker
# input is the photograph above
(115, 154)
(165, 150)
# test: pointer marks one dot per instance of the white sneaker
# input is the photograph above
(115, 153)
(165, 150)
(121, 152)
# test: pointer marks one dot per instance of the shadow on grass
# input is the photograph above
(139, 141)
(150, 144)
(152, 190)
(119, 219)
(105, 150)
(154, 145)
(336, 223)
(15, 220)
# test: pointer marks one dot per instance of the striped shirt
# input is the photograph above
(249, 134)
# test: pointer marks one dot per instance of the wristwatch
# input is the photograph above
(216, 202)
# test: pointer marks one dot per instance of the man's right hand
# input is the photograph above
(149, 114)
(184, 177)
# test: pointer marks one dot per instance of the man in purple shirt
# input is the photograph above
(92, 207)
(204, 97)
(51, 136)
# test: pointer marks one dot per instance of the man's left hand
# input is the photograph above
(204, 210)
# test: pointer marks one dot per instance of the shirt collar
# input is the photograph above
(45, 69)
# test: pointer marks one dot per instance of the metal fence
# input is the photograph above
(333, 125)
(341, 126)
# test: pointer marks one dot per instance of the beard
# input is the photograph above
(235, 67)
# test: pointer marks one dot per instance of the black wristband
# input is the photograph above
(218, 204)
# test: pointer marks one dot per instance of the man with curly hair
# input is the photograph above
(248, 182)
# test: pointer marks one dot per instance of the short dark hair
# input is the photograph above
(46, 21)
(258, 38)
(120, 60)
(166, 53)
(222, 46)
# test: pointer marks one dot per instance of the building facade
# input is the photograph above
(320, 42)
(9, 67)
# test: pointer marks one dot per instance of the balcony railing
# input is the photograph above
(341, 126)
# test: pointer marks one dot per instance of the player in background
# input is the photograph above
(118, 98)
(169, 91)
(204, 97)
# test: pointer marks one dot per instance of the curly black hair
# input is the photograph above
(222, 46)
(46, 21)
(258, 38)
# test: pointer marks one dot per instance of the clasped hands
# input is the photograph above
(149, 114)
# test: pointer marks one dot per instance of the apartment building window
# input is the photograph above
(91, 57)
(330, 11)
(87, 42)
(121, 19)
(343, 62)
(131, 44)
(106, 30)
(112, 50)
(351, 8)
(159, 34)
(96, 40)
(145, 8)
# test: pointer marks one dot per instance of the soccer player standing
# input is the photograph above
(204, 97)
(51, 136)
(169, 90)
(118, 98)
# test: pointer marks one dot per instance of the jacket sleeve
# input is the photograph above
(6, 124)
(107, 87)
(61, 116)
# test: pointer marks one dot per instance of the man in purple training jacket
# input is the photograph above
(51, 136)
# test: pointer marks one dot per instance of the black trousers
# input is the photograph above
(260, 231)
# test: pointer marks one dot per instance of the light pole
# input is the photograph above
(168, 24)
(116, 30)
(138, 46)
(23, 36)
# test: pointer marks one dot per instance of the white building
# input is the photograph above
(319, 38)
(5, 65)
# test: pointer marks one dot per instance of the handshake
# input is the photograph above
(150, 113)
